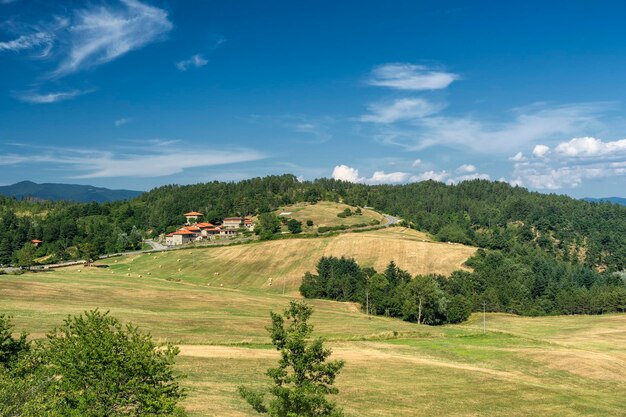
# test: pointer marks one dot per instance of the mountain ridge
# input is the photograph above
(614, 200)
(66, 192)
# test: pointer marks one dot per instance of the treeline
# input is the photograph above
(395, 293)
(492, 215)
(530, 282)
(68, 230)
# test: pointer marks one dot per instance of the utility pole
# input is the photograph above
(367, 301)
(484, 318)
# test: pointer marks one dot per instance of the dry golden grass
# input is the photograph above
(325, 213)
(280, 264)
(565, 366)
(549, 366)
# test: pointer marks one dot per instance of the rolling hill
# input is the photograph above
(66, 192)
(280, 264)
(567, 365)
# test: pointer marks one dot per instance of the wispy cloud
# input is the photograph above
(155, 162)
(47, 98)
(100, 34)
(404, 76)
(86, 38)
(400, 110)
(196, 61)
(529, 125)
(122, 121)
(40, 41)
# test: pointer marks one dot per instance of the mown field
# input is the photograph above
(278, 266)
(324, 213)
(566, 366)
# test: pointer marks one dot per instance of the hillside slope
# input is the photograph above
(66, 192)
(541, 366)
(282, 263)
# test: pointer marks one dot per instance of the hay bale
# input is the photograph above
(148, 273)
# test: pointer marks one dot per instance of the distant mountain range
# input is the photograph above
(614, 200)
(67, 192)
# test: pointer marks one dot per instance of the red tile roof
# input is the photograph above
(193, 228)
(204, 225)
(194, 213)
(183, 232)
(36, 241)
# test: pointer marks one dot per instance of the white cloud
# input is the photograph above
(47, 98)
(403, 76)
(591, 147)
(100, 34)
(195, 61)
(466, 168)
(430, 175)
(468, 177)
(122, 121)
(379, 177)
(572, 163)
(400, 110)
(541, 151)
(151, 162)
(518, 157)
(346, 173)
(416, 163)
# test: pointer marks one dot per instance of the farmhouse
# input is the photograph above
(179, 237)
(194, 231)
(237, 223)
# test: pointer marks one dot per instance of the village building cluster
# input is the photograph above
(193, 231)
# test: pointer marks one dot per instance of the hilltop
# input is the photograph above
(66, 192)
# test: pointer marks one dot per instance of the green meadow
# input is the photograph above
(565, 366)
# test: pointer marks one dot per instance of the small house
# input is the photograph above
(179, 237)
(192, 217)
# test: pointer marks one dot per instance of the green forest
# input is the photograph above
(540, 254)
(490, 215)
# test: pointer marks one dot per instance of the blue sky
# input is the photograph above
(136, 94)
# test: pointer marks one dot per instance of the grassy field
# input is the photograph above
(279, 265)
(214, 303)
(325, 213)
(565, 366)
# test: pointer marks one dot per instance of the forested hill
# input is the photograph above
(492, 215)
(66, 192)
